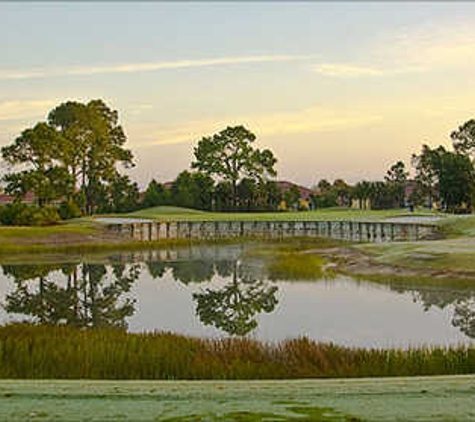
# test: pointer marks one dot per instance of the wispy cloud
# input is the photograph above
(144, 67)
(414, 50)
(346, 70)
(315, 119)
(437, 45)
(25, 109)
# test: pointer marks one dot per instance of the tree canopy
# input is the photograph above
(76, 153)
(230, 155)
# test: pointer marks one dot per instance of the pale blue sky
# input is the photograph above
(334, 89)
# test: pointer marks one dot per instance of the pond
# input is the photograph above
(212, 291)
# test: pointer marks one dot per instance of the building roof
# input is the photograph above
(285, 185)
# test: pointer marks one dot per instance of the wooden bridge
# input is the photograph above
(358, 231)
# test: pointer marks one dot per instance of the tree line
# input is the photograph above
(74, 162)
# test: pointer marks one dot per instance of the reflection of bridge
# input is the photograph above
(344, 230)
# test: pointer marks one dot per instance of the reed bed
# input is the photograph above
(32, 351)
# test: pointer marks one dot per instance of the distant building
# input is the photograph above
(29, 198)
(305, 193)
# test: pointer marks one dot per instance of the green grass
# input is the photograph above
(29, 351)
(435, 399)
(294, 258)
(184, 214)
(10, 232)
(448, 255)
(458, 226)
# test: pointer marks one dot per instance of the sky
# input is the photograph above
(335, 90)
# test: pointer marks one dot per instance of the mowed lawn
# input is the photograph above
(168, 213)
(434, 399)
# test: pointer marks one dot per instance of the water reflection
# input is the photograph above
(230, 292)
(462, 300)
(233, 307)
(86, 295)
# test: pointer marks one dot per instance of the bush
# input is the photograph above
(18, 214)
(68, 210)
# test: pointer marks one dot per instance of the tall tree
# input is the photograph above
(396, 178)
(463, 138)
(451, 174)
(426, 175)
(343, 191)
(362, 192)
(230, 156)
(155, 195)
(35, 153)
(93, 146)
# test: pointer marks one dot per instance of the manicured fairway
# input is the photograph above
(168, 213)
(389, 399)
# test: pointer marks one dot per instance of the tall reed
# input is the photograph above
(33, 351)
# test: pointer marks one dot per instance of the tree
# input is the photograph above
(120, 195)
(362, 192)
(426, 175)
(193, 190)
(396, 178)
(223, 196)
(155, 195)
(292, 196)
(381, 196)
(230, 156)
(455, 179)
(273, 194)
(36, 149)
(343, 191)
(323, 186)
(450, 174)
(463, 138)
(247, 191)
(93, 146)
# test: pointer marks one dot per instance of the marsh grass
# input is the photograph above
(31, 351)
(297, 266)
(295, 259)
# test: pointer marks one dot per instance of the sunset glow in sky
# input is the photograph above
(335, 90)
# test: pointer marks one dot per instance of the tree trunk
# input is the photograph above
(234, 194)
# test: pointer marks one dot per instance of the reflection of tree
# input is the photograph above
(233, 307)
(156, 269)
(464, 316)
(462, 300)
(192, 271)
(87, 296)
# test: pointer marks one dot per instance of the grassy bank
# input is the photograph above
(452, 256)
(28, 351)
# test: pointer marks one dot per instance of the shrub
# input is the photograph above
(19, 214)
(68, 210)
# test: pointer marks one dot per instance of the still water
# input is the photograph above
(213, 291)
